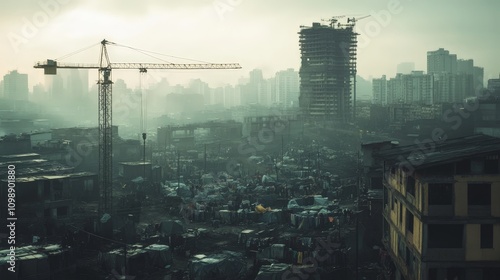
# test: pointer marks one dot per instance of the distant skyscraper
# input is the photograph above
(405, 67)
(494, 84)
(441, 61)
(39, 94)
(197, 86)
(75, 82)
(395, 90)
(217, 96)
(328, 62)
(478, 74)
(452, 88)
(287, 87)
(55, 87)
(465, 66)
(379, 90)
(229, 96)
(15, 86)
(416, 87)
(253, 91)
(421, 89)
(272, 90)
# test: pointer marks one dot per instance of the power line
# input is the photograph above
(98, 236)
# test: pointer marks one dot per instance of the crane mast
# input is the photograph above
(105, 118)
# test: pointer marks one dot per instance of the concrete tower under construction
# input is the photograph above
(328, 71)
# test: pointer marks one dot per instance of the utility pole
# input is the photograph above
(205, 161)
(282, 149)
(144, 155)
(357, 249)
(178, 168)
(317, 163)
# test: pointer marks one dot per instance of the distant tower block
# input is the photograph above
(328, 67)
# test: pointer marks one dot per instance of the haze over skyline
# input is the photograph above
(256, 34)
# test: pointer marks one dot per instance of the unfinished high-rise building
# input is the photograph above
(328, 71)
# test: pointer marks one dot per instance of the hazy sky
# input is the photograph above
(254, 33)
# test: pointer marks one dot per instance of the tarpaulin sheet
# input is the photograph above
(159, 255)
(226, 265)
(275, 271)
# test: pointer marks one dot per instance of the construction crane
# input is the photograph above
(104, 68)
(333, 20)
(354, 19)
(354, 73)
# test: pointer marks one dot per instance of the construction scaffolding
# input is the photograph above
(328, 71)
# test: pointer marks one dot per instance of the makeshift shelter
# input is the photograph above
(225, 265)
(274, 252)
(171, 227)
(159, 255)
(275, 271)
(136, 260)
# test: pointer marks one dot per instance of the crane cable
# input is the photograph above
(77, 51)
(156, 53)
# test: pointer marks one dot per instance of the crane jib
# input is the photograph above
(50, 66)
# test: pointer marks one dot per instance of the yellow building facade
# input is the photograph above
(442, 215)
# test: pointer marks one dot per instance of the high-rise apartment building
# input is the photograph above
(494, 84)
(379, 90)
(441, 61)
(287, 87)
(452, 88)
(328, 64)
(478, 74)
(15, 86)
(416, 87)
(442, 209)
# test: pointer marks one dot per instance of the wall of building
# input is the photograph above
(474, 252)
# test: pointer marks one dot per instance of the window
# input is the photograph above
(409, 221)
(463, 167)
(491, 273)
(393, 202)
(401, 248)
(62, 211)
(486, 236)
(88, 185)
(455, 273)
(46, 188)
(477, 166)
(479, 194)
(58, 190)
(491, 166)
(401, 213)
(445, 236)
(440, 194)
(410, 185)
(433, 274)
(408, 260)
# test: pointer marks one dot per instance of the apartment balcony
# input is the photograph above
(444, 254)
(441, 210)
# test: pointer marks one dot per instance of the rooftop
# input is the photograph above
(450, 150)
(52, 177)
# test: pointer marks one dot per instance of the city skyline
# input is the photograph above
(254, 34)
